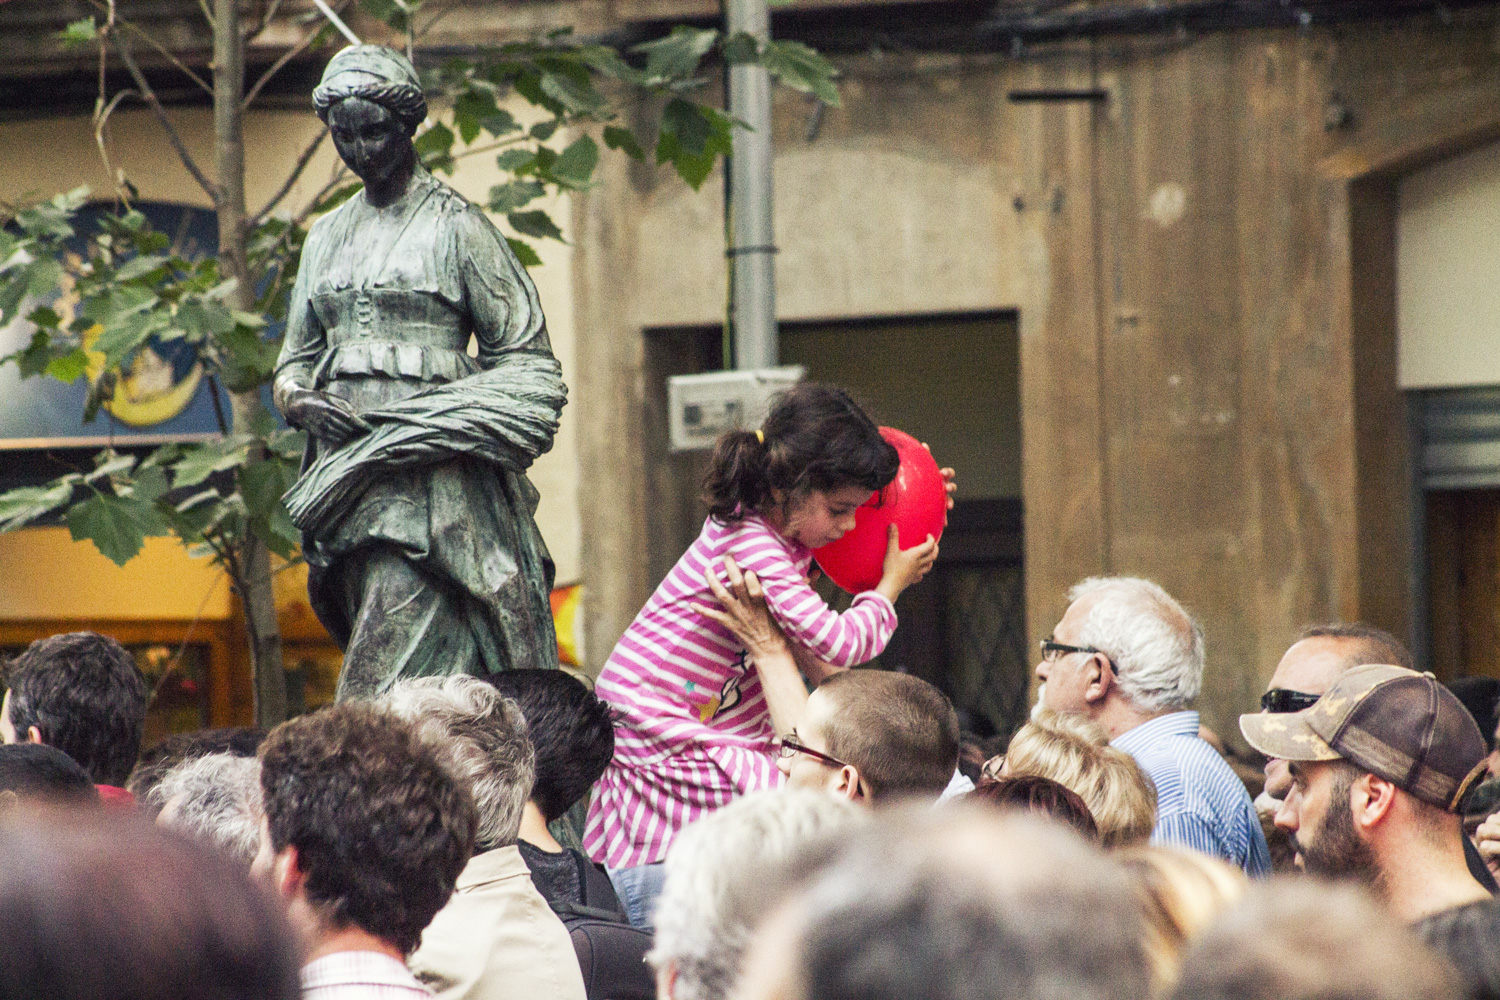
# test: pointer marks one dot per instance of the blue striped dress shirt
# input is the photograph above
(1201, 803)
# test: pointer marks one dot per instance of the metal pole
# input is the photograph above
(752, 250)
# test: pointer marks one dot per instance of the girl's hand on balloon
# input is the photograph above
(904, 567)
(948, 484)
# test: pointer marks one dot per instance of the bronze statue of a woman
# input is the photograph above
(416, 514)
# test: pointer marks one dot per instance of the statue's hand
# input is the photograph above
(327, 418)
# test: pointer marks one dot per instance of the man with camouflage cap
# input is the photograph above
(1380, 765)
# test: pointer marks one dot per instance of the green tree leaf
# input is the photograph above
(676, 57)
(515, 160)
(575, 165)
(200, 461)
(78, 33)
(140, 267)
(624, 140)
(19, 507)
(741, 47)
(536, 223)
(471, 109)
(524, 252)
(576, 94)
(69, 367)
(509, 197)
(693, 137)
(118, 526)
(801, 68)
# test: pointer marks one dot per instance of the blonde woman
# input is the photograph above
(1180, 893)
(1075, 752)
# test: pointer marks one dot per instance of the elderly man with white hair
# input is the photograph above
(497, 937)
(214, 798)
(1129, 657)
(720, 874)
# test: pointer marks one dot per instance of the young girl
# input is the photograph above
(692, 729)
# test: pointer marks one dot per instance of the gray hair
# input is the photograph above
(716, 876)
(961, 903)
(1154, 642)
(483, 738)
(218, 801)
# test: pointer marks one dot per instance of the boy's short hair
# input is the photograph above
(570, 729)
(35, 772)
(85, 695)
(382, 828)
(898, 730)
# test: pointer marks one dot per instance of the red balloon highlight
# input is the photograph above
(916, 501)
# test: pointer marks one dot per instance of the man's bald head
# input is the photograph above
(1323, 652)
(1316, 660)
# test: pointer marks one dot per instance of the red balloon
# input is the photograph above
(916, 501)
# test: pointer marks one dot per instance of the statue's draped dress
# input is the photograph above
(435, 564)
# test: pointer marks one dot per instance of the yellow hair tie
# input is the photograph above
(760, 435)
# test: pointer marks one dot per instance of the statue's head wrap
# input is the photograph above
(380, 75)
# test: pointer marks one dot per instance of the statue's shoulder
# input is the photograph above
(446, 200)
(326, 223)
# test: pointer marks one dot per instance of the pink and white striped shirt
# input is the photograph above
(692, 729)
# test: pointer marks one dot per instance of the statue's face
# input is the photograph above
(369, 138)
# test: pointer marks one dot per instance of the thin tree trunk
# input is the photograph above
(263, 633)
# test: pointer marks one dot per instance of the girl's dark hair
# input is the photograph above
(816, 438)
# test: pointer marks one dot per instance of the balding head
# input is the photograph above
(1316, 660)
(1322, 652)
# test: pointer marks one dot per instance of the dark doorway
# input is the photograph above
(1463, 573)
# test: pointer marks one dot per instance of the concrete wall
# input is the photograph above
(1448, 298)
(1204, 269)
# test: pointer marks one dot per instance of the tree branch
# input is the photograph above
(212, 189)
(277, 66)
(158, 46)
(265, 19)
(302, 162)
(101, 119)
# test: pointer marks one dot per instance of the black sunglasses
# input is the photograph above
(1279, 701)
(1051, 650)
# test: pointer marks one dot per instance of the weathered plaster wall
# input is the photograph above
(1204, 276)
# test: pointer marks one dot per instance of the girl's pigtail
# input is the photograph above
(737, 483)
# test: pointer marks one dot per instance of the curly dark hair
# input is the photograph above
(815, 438)
(85, 695)
(382, 828)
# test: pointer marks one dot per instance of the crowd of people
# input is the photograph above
(734, 814)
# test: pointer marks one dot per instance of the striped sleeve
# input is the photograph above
(844, 640)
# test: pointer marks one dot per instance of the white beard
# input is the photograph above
(1041, 699)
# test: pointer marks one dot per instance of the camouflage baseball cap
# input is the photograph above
(1396, 723)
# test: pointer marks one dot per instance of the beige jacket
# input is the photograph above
(497, 939)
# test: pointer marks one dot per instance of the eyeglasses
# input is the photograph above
(791, 746)
(1051, 650)
(993, 767)
(1279, 701)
